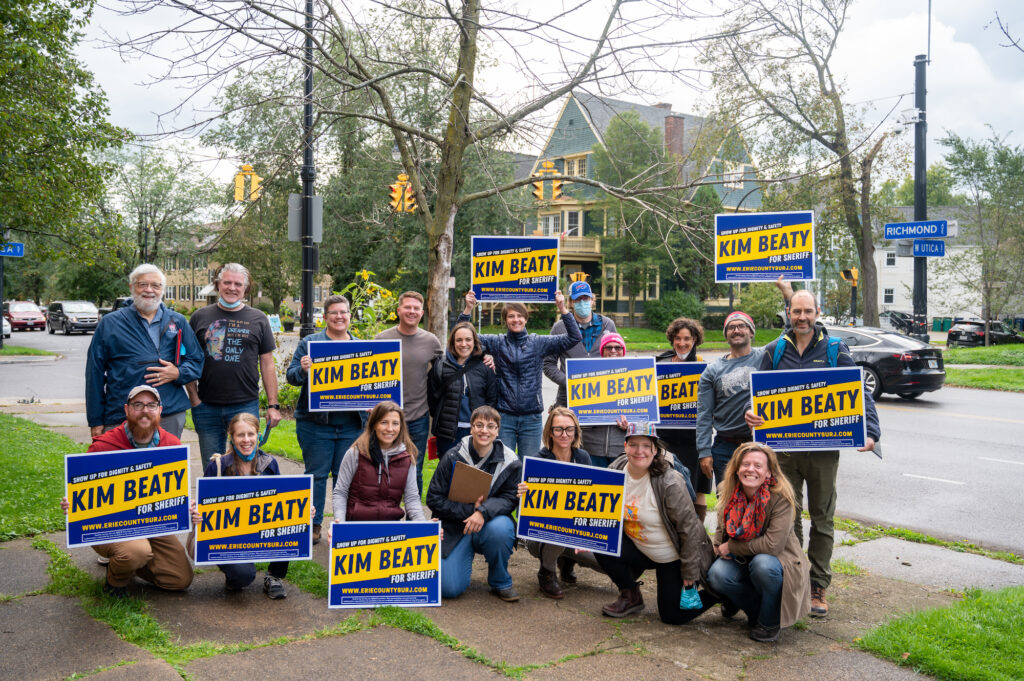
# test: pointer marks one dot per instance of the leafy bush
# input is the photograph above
(373, 306)
(265, 307)
(673, 304)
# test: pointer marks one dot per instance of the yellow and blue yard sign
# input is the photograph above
(515, 268)
(761, 246)
(354, 375)
(600, 390)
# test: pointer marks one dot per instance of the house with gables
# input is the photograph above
(581, 222)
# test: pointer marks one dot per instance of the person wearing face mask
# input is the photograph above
(518, 362)
(239, 347)
(685, 336)
(593, 327)
(244, 457)
(457, 384)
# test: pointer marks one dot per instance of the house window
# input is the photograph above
(195, 293)
(572, 223)
(608, 284)
(317, 293)
(171, 292)
(581, 166)
(570, 166)
(890, 258)
(551, 225)
(888, 295)
(653, 287)
(732, 175)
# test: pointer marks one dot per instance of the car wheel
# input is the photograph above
(67, 330)
(49, 327)
(871, 382)
(909, 396)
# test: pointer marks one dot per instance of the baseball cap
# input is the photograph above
(578, 289)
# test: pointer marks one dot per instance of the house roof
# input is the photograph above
(601, 111)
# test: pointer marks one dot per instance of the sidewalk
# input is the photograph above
(52, 637)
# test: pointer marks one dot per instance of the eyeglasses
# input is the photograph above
(613, 349)
(336, 313)
(736, 327)
(563, 430)
(480, 425)
(144, 285)
(144, 406)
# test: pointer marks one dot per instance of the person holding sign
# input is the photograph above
(246, 458)
(485, 526)
(661, 532)
(605, 443)
(686, 335)
(760, 567)
(457, 384)
(807, 346)
(562, 442)
(323, 436)
(518, 359)
(159, 560)
(374, 478)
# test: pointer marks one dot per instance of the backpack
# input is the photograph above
(831, 352)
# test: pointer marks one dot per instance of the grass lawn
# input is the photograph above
(1004, 355)
(990, 379)
(21, 350)
(32, 459)
(979, 639)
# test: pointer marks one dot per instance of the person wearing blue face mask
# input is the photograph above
(593, 327)
(238, 344)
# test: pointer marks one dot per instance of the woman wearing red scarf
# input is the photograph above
(760, 568)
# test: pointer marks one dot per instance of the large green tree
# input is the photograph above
(52, 128)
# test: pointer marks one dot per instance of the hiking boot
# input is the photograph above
(316, 533)
(819, 606)
(629, 601)
(508, 594)
(567, 570)
(549, 585)
(117, 592)
(764, 634)
(273, 587)
(729, 610)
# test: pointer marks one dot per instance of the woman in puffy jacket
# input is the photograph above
(458, 382)
(518, 360)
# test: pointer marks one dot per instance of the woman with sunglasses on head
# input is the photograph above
(562, 440)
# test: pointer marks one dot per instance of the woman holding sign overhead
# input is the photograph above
(323, 436)
(519, 364)
(661, 531)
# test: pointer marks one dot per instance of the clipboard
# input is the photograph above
(469, 484)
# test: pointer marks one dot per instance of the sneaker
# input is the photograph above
(819, 606)
(629, 601)
(567, 570)
(117, 592)
(317, 528)
(102, 560)
(729, 610)
(508, 594)
(273, 587)
(549, 585)
(764, 634)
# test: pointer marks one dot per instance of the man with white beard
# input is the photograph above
(143, 343)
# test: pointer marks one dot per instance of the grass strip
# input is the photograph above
(869, 532)
(32, 459)
(1010, 378)
(1003, 355)
(19, 350)
(981, 638)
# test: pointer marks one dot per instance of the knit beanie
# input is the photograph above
(611, 338)
(737, 316)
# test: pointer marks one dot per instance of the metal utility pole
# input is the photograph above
(920, 198)
(309, 255)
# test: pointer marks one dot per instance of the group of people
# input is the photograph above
(481, 398)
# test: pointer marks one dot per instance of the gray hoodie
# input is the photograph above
(723, 395)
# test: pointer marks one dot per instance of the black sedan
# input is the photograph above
(893, 363)
(966, 334)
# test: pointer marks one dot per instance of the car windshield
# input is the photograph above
(80, 307)
(900, 340)
(24, 307)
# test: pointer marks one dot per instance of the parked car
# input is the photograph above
(118, 304)
(24, 316)
(7, 328)
(72, 315)
(892, 362)
(967, 334)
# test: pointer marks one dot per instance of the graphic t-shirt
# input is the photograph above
(233, 342)
(643, 522)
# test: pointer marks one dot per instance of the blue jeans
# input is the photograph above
(443, 445)
(419, 429)
(494, 541)
(240, 575)
(721, 454)
(323, 448)
(755, 587)
(521, 433)
(211, 422)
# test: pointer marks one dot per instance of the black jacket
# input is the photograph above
(575, 456)
(503, 498)
(479, 383)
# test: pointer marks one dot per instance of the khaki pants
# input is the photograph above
(159, 560)
(818, 470)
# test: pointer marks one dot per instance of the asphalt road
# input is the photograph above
(953, 463)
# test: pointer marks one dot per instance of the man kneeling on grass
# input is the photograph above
(484, 527)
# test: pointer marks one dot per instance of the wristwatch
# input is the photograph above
(274, 406)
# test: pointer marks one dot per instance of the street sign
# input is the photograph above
(12, 249)
(295, 218)
(929, 247)
(926, 229)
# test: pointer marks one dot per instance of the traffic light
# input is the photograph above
(254, 187)
(255, 180)
(850, 275)
(240, 187)
(410, 199)
(538, 191)
(556, 189)
(396, 195)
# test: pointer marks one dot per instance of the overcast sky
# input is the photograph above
(972, 80)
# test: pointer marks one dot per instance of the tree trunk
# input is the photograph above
(861, 235)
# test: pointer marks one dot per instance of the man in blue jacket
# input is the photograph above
(143, 343)
(807, 348)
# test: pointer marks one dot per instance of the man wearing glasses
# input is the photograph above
(144, 343)
(159, 560)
